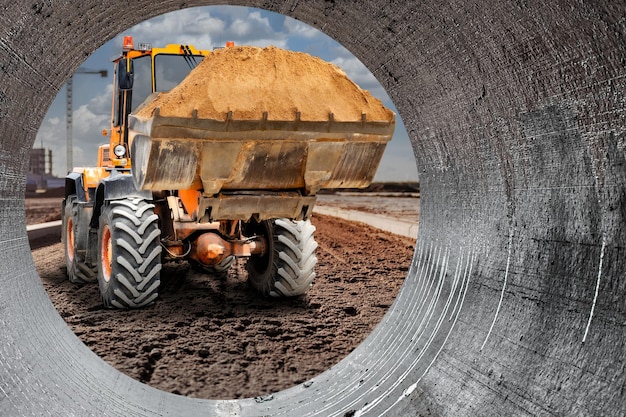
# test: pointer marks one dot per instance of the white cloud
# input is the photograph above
(85, 122)
(296, 28)
(209, 23)
(188, 26)
(101, 104)
(231, 12)
(88, 121)
(206, 28)
(255, 30)
(359, 73)
(356, 71)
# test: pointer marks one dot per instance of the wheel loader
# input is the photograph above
(213, 156)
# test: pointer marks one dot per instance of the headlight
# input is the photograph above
(119, 150)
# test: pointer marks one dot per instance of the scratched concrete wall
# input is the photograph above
(515, 302)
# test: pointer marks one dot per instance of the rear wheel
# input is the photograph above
(129, 254)
(287, 268)
(75, 245)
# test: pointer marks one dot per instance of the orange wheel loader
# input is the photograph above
(213, 156)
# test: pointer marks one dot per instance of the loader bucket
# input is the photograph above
(250, 119)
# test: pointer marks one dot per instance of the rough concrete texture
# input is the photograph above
(514, 304)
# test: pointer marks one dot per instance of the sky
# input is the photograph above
(205, 28)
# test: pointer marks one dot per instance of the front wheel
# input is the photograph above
(287, 268)
(129, 254)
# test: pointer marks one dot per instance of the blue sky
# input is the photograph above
(205, 28)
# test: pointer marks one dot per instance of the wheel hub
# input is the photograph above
(106, 257)
(70, 239)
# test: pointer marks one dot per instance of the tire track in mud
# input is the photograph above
(216, 338)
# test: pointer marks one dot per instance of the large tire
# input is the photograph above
(287, 268)
(74, 238)
(129, 254)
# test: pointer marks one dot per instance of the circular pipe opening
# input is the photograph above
(192, 332)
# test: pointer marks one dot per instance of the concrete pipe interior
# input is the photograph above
(514, 304)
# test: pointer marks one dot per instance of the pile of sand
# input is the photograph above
(250, 81)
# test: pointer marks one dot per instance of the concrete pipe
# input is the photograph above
(515, 301)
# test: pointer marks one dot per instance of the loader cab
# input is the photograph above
(138, 73)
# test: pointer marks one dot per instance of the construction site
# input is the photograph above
(217, 339)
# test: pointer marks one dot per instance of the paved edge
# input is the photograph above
(41, 230)
(399, 227)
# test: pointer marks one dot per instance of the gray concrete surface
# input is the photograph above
(514, 304)
(43, 234)
(37, 231)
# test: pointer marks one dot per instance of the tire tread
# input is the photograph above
(135, 271)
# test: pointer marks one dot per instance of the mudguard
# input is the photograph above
(74, 185)
(115, 187)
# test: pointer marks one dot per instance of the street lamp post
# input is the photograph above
(68, 120)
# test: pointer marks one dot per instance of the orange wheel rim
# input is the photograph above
(106, 257)
(70, 239)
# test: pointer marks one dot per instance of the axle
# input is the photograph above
(210, 248)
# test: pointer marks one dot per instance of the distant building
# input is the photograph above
(39, 177)
(40, 161)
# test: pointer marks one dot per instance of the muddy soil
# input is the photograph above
(215, 338)
(41, 210)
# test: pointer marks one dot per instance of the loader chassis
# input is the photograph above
(191, 197)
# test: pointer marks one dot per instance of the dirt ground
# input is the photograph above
(41, 210)
(215, 338)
